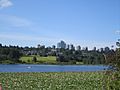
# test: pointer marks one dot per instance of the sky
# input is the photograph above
(46, 22)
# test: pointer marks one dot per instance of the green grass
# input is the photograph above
(112, 80)
(45, 60)
(49, 59)
(52, 81)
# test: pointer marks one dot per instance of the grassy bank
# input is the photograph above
(52, 81)
(49, 59)
(45, 60)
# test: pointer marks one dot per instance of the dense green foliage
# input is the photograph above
(34, 59)
(13, 54)
(9, 54)
(87, 57)
(112, 80)
(53, 81)
(113, 75)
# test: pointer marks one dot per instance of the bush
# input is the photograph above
(34, 59)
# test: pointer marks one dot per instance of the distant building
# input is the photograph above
(94, 49)
(53, 47)
(72, 47)
(38, 46)
(68, 46)
(85, 48)
(61, 44)
(78, 47)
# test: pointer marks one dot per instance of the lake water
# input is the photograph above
(50, 68)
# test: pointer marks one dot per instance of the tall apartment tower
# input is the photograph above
(78, 48)
(61, 44)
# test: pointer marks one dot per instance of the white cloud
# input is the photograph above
(11, 38)
(118, 32)
(26, 40)
(5, 3)
(20, 37)
(14, 21)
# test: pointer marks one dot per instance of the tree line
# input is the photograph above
(9, 54)
(13, 53)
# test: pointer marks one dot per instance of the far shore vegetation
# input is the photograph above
(52, 55)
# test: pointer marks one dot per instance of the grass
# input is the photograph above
(52, 81)
(45, 60)
(49, 59)
(112, 80)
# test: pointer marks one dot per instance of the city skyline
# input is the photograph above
(88, 23)
(64, 45)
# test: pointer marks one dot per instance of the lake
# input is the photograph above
(50, 68)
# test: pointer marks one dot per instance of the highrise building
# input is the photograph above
(94, 49)
(78, 47)
(53, 47)
(72, 47)
(85, 48)
(38, 46)
(68, 46)
(61, 44)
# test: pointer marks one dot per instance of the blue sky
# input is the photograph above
(80, 22)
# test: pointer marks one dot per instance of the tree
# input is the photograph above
(92, 60)
(14, 55)
(117, 60)
(113, 57)
(0, 45)
(62, 58)
(114, 77)
(34, 59)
